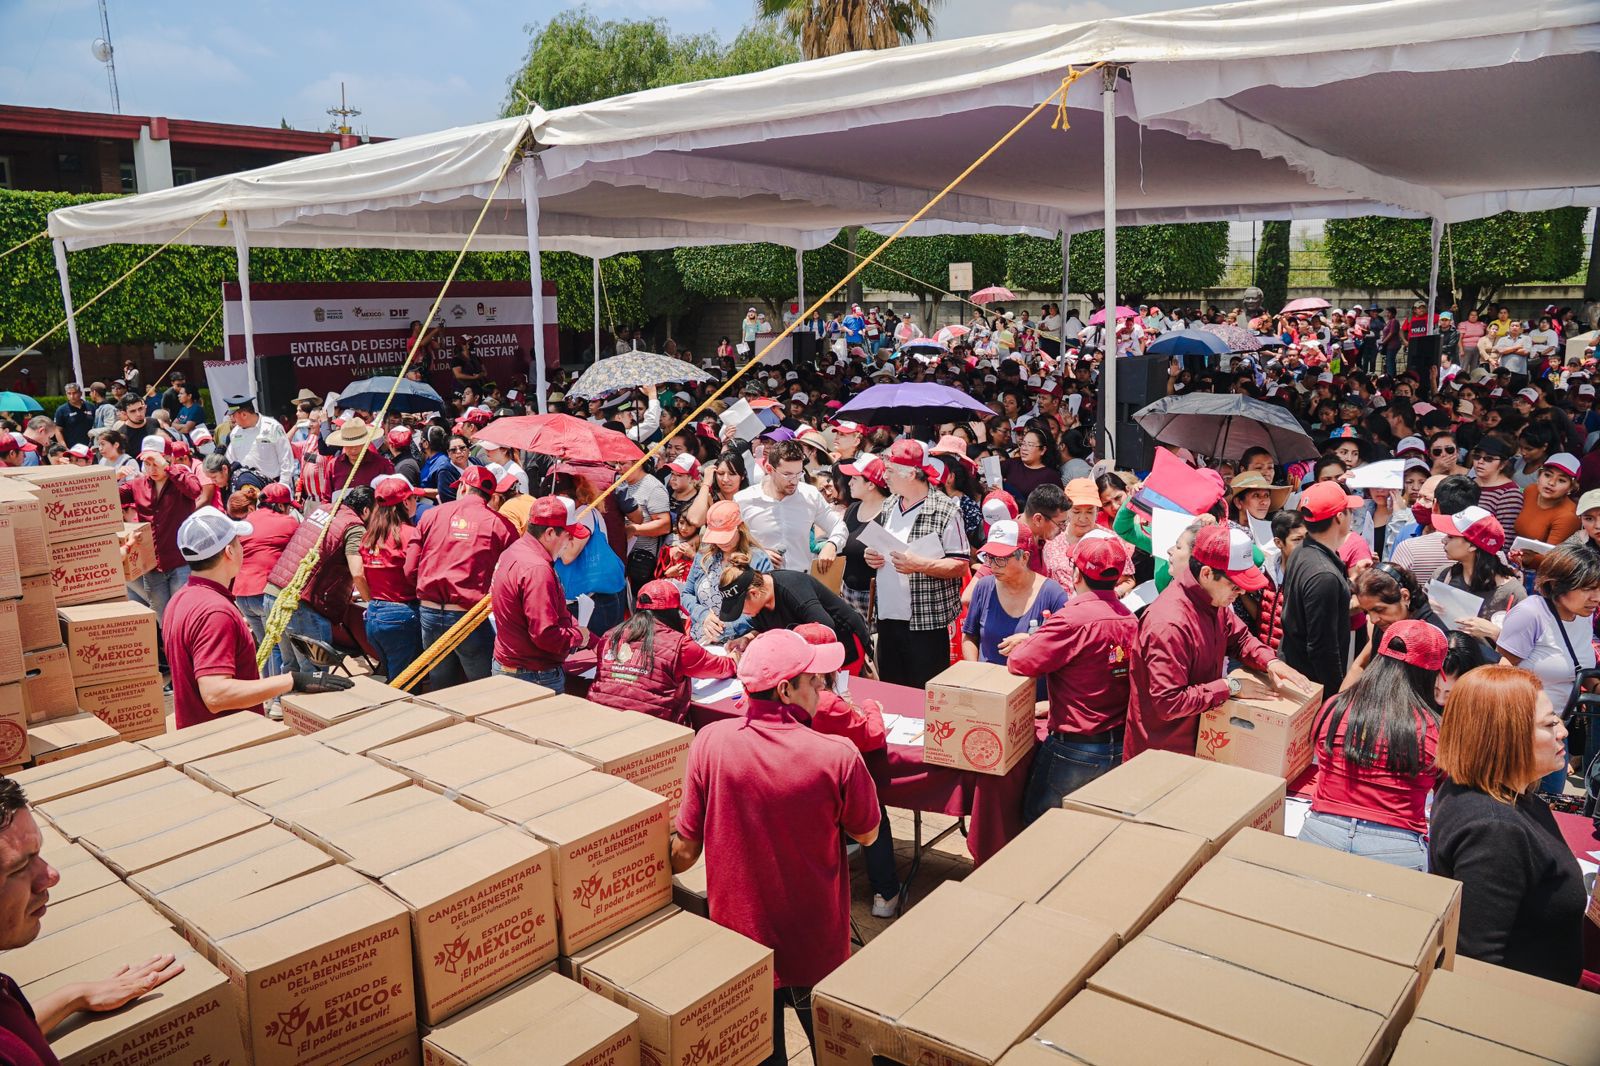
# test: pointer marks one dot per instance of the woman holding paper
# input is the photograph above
(1473, 539)
(1548, 513)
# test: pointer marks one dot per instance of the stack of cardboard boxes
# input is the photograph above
(87, 655)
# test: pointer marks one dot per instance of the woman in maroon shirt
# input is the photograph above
(389, 553)
(272, 523)
(1375, 746)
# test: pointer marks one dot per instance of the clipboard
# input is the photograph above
(833, 577)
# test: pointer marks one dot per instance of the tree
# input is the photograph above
(832, 27)
(1485, 254)
(928, 259)
(1272, 264)
(1177, 257)
(762, 272)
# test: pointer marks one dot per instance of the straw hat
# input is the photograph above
(1251, 480)
(354, 433)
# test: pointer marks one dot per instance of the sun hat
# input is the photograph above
(1250, 481)
(1480, 528)
(782, 655)
(206, 532)
(722, 524)
(354, 433)
(558, 512)
(1082, 492)
(1006, 537)
(1327, 499)
(1414, 642)
(1228, 550)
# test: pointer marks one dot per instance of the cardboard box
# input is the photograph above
(650, 752)
(227, 870)
(1184, 793)
(109, 640)
(1261, 729)
(80, 872)
(399, 721)
(144, 838)
(407, 1051)
(689, 889)
(478, 767)
(309, 713)
(36, 617)
(1484, 1013)
(702, 993)
(320, 967)
(10, 573)
(103, 766)
(82, 928)
(546, 1019)
(74, 501)
(237, 772)
(138, 550)
(87, 570)
(136, 707)
(11, 666)
(21, 512)
(1095, 1028)
(1440, 896)
(1311, 1002)
(487, 694)
(1119, 873)
(979, 716)
(481, 897)
(609, 839)
(109, 803)
(351, 780)
(961, 978)
(189, 1020)
(224, 733)
(60, 738)
(47, 690)
(14, 744)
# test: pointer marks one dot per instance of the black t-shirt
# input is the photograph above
(798, 598)
(857, 574)
(468, 364)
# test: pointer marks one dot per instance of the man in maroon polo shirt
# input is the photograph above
(1085, 653)
(459, 544)
(534, 631)
(789, 890)
(353, 440)
(208, 643)
(164, 496)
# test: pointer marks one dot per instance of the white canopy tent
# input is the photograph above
(1261, 109)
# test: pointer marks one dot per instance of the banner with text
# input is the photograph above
(335, 333)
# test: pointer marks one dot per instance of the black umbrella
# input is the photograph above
(1225, 426)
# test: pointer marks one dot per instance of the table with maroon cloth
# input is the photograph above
(992, 804)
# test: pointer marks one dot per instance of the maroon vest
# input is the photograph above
(658, 689)
(329, 589)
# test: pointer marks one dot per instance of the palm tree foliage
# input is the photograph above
(831, 27)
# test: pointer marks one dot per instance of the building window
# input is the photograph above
(183, 175)
(130, 178)
(69, 162)
(5, 172)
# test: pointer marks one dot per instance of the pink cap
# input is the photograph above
(388, 490)
(781, 655)
(722, 524)
(1415, 642)
(478, 477)
(868, 466)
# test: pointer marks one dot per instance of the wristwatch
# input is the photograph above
(1234, 686)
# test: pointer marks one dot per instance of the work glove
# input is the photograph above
(307, 682)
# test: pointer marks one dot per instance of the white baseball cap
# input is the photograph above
(1530, 394)
(1585, 390)
(206, 532)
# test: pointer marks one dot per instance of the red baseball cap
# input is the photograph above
(388, 490)
(816, 634)
(1414, 642)
(1100, 556)
(1480, 528)
(1326, 499)
(780, 655)
(399, 436)
(477, 477)
(1565, 462)
(1228, 549)
(914, 453)
(685, 464)
(278, 492)
(155, 444)
(1006, 538)
(557, 511)
(868, 466)
(999, 506)
(657, 595)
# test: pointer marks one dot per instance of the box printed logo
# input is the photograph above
(941, 731)
(89, 652)
(452, 954)
(586, 890)
(1215, 739)
(288, 1023)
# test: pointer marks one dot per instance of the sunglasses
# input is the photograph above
(1441, 451)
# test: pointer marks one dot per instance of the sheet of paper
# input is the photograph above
(585, 609)
(710, 690)
(742, 348)
(880, 540)
(1452, 604)
(990, 466)
(1141, 597)
(1294, 815)
(906, 730)
(736, 413)
(1074, 402)
(1385, 474)
(929, 546)
(1165, 528)
(1528, 544)
(1261, 531)
(330, 406)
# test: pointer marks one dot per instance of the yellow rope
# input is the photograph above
(289, 599)
(452, 638)
(23, 244)
(91, 300)
(214, 313)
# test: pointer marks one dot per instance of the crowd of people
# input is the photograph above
(1446, 609)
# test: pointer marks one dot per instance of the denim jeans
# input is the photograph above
(159, 587)
(554, 679)
(396, 631)
(609, 610)
(800, 999)
(308, 623)
(471, 659)
(1063, 764)
(1386, 843)
(879, 856)
(254, 609)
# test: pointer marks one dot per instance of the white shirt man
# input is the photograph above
(259, 444)
(1513, 350)
(781, 510)
(1541, 342)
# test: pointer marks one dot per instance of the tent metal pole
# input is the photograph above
(1108, 331)
(1066, 276)
(530, 205)
(596, 301)
(241, 247)
(1433, 272)
(72, 318)
(800, 276)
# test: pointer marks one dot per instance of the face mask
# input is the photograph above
(1422, 513)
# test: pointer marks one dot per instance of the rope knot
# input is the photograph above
(1060, 121)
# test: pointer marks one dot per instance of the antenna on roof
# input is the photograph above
(101, 49)
(344, 112)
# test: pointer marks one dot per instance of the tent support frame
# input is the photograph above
(241, 247)
(1107, 416)
(60, 249)
(530, 204)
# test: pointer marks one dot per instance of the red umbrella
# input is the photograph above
(562, 436)
(991, 294)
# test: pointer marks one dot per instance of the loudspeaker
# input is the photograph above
(1423, 356)
(275, 374)
(1141, 380)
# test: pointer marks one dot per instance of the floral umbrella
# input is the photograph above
(633, 370)
(992, 294)
(1237, 338)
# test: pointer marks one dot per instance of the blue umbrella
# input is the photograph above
(926, 345)
(918, 402)
(16, 401)
(412, 397)
(1189, 342)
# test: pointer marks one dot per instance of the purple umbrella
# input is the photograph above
(919, 402)
(1237, 338)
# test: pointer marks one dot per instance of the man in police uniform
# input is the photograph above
(258, 448)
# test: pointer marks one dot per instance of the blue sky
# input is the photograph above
(409, 65)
